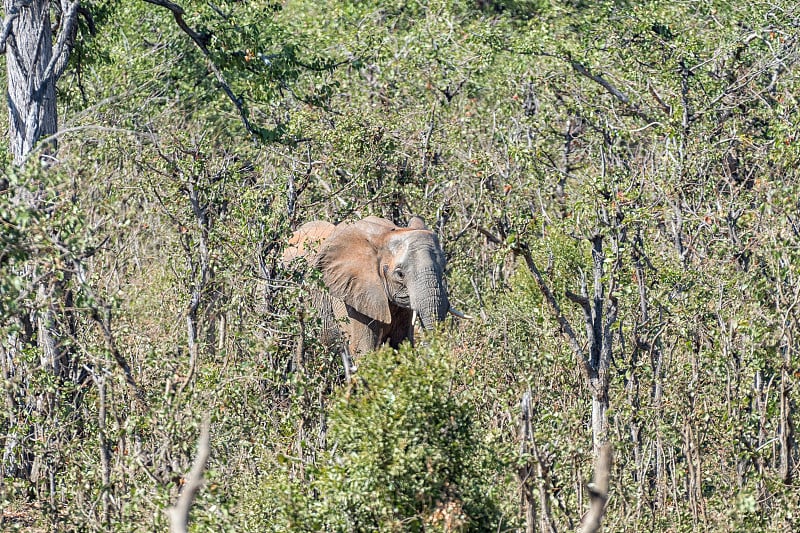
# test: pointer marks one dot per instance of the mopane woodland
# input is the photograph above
(609, 190)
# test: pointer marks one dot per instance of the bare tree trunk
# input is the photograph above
(598, 491)
(31, 97)
(599, 421)
(33, 65)
(600, 312)
(179, 513)
(526, 472)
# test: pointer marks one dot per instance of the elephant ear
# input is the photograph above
(351, 268)
(416, 222)
(306, 240)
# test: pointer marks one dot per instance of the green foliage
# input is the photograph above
(667, 128)
(406, 455)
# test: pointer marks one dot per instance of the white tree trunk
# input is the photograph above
(33, 65)
(31, 89)
(599, 423)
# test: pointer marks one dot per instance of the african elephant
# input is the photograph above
(378, 276)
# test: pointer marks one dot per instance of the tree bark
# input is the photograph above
(179, 514)
(31, 98)
(33, 65)
(598, 491)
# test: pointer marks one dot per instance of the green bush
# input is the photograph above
(404, 455)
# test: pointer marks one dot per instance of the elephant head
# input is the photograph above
(373, 265)
(379, 277)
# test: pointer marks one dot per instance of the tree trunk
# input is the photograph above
(599, 420)
(33, 65)
(786, 428)
(31, 91)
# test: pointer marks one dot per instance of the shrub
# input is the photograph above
(404, 455)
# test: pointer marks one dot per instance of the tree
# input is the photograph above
(34, 63)
(45, 277)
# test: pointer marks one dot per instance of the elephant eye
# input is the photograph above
(399, 274)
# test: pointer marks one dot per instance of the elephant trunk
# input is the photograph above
(429, 300)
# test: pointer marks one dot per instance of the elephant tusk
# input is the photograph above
(459, 314)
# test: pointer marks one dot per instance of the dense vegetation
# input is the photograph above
(615, 184)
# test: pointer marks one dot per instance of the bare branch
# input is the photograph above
(201, 42)
(583, 301)
(178, 12)
(612, 90)
(179, 514)
(566, 327)
(87, 16)
(598, 491)
(66, 39)
(488, 234)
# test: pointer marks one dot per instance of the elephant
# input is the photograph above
(378, 277)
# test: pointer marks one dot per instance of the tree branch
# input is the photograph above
(87, 16)
(598, 491)
(488, 234)
(201, 42)
(179, 514)
(583, 301)
(66, 39)
(566, 328)
(612, 90)
(588, 318)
